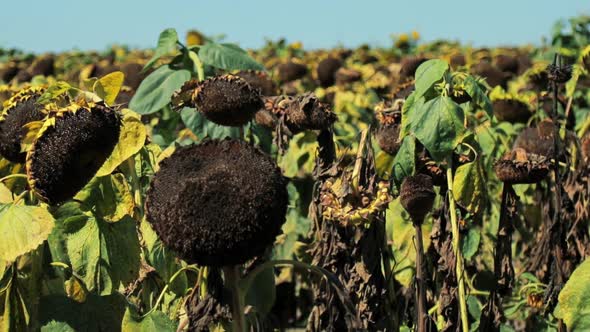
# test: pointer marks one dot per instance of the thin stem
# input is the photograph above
(457, 249)
(232, 280)
(11, 176)
(421, 314)
(138, 197)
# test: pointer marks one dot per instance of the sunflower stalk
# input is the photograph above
(457, 250)
(232, 281)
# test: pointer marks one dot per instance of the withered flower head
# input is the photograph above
(519, 167)
(417, 196)
(218, 203)
(70, 148)
(19, 111)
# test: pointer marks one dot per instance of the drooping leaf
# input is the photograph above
(262, 292)
(228, 57)
(574, 299)
(108, 86)
(156, 90)
(131, 139)
(471, 243)
(438, 125)
(478, 95)
(16, 315)
(103, 254)
(429, 73)
(155, 321)
(22, 229)
(404, 163)
(166, 44)
(469, 186)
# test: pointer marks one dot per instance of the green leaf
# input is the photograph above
(262, 292)
(53, 91)
(166, 44)
(103, 254)
(428, 74)
(471, 243)
(204, 128)
(469, 186)
(404, 163)
(109, 197)
(98, 313)
(155, 321)
(156, 90)
(227, 57)
(15, 316)
(131, 139)
(408, 110)
(438, 125)
(163, 260)
(477, 92)
(474, 307)
(22, 229)
(54, 326)
(574, 299)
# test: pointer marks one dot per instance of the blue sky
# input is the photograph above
(58, 25)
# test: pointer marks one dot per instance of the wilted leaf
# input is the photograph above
(108, 86)
(404, 163)
(574, 299)
(262, 292)
(75, 290)
(469, 186)
(22, 229)
(103, 254)
(228, 57)
(156, 90)
(155, 321)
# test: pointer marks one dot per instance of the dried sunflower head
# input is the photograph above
(519, 167)
(291, 71)
(19, 111)
(417, 196)
(389, 118)
(259, 80)
(226, 100)
(326, 71)
(302, 112)
(227, 208)
(409, 66)
(70, 148)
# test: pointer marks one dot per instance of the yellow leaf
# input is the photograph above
(75, 290)
(108, 86)
(131, 140)
(22, 229)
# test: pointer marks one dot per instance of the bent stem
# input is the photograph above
(457, 249)
(421, 314)
(232, 280)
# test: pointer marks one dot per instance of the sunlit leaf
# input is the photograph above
(108, 86)
(54, 326)
(166, 44)
(438, 125)
(574, 299)
(131, 139)
(109, 197)
(22, 229)
(228, 57)
(469, 186)
(103, 254)
(428, 74)
(155, 321)
(156, 90)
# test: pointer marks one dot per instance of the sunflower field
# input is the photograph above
(198, 186)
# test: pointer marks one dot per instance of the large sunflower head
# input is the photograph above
(218, 203)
